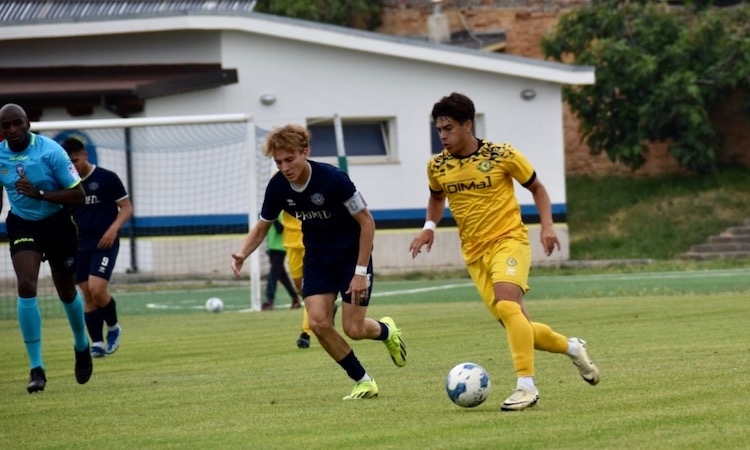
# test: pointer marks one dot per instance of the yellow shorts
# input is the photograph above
(506, 261)
(294, 257)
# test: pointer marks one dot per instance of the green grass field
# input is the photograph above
(673, 347)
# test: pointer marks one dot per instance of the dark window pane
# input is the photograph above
(360, 139)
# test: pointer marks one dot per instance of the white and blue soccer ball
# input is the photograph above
(467, 385)
(214, 304)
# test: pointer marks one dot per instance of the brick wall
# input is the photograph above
(525, 23)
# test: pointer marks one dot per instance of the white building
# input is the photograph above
(216, 58)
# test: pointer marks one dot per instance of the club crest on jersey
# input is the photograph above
(20, 170)
(511, 262)
(317, 199)
(484, 166)
(94, 186)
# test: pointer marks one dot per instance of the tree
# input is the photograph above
(350, 13)
(660, 70)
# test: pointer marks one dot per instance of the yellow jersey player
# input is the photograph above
(295, 252)
(476, 177)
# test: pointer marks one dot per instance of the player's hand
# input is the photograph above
(108, 239)
(359, 288)
(24, 187)
(549, 240)
(425, 237)
(237, 262)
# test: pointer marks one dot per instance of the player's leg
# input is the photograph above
(92, 314)
(103, 263)
(26, 264)
(501, 277)
(26, 255)
(286, 282)
(61, 249)
(322, 282)
(271, 282)
(358, 326)
(294, 257)
(320, 308)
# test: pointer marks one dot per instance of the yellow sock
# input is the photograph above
(547, 340)
(520, 337)
(306, 322)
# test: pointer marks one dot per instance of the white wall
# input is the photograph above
(311, 80)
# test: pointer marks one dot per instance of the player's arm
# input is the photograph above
(250, 243)
(359, 285)
(124, 213)
(366, 236)
(544, 207)
(435, 210)
(71, 196)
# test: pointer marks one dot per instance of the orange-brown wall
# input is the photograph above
(525, 23)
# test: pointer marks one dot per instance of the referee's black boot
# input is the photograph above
(37, 380)
(84, 366)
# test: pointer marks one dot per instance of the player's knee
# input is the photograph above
(320, 326)
(354, 331)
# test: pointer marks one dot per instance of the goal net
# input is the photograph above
(196, 183)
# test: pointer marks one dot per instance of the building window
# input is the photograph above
(363, 137)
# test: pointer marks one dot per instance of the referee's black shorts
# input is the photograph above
(55, 237)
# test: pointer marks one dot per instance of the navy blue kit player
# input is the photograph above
(338, 233)
(99, 221)
(42, 184)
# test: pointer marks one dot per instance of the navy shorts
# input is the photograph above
(55, 237)
(96, 262)
(325, 275)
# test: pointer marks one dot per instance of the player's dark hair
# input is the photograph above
(455, 106)
(72, 145)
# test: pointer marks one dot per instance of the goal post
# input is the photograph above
(196, 184)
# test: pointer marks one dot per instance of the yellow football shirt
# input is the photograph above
(292, 237)
(480, 194)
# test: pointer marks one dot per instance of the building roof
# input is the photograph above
(120, 89)
(62, 18)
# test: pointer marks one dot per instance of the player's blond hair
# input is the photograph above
(292, 137)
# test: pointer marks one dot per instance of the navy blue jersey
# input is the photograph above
(327, 225)
(103, 190)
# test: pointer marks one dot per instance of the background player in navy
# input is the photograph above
(41, 182)
(99, 221)
(338, 232)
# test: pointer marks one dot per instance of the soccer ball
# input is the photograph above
(467, 385)
(214, 304)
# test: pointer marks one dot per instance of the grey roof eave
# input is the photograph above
(306, 31)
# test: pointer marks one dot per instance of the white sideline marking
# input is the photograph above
(287, 305)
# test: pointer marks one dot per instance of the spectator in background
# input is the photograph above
(276, 256)
(99, 221)
(42, 184)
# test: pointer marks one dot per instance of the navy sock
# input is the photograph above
(383, 332)
(109, 312)
(353, 367)
(95, 323)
